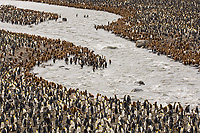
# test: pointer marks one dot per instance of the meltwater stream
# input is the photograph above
(165, 81)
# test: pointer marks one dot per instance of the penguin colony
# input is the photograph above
(32, 104)
(11, 14)
(172, 27)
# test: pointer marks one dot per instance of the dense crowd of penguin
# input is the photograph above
(172, 27)
(22, 92)
(14, 15)
(32, 104)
